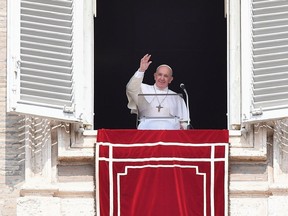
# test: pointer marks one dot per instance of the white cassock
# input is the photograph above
(157, 109)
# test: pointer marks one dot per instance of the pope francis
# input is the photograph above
(157, 107)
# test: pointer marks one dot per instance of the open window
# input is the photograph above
(50, 59)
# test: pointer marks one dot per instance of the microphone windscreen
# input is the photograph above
(182, 86)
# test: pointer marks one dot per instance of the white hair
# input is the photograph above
(165, 65)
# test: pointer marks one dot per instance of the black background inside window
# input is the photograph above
(190, 36)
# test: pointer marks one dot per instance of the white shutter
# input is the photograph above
(50, 59)
(46, 53)
(269, 60)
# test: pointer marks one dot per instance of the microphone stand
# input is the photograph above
(189, 126)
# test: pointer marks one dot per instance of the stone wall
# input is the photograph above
(59, 170)
(258, 170)
(12, 152)
(53, 174)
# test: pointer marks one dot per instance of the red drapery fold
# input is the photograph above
(157, 173)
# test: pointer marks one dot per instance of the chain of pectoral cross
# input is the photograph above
(159, 107)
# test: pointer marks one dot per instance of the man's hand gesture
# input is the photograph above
(144, 63)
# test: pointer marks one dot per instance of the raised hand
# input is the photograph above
(144, 63)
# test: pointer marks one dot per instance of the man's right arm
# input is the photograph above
(133, 88)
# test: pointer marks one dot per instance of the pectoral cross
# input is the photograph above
(159, 107)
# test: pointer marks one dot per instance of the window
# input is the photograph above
(50, 59)
(258, 53)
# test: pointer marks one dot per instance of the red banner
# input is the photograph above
(163, 172)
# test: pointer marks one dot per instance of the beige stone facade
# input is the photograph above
(39, 176)
(12, 152)
(42, 173)
(257, 171)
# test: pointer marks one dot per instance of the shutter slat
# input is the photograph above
(269, 44)
(42, 101)
(271, 104)
(50, 6)
(270, 37)
(46, 14)
(47, 54)
(47, 61)
(275, 76)
(51, 68)
(272, 56)
(62, 3)
(47, 41)
(45, 21)
(270, 50)
(264, 64)
(270, 83)
(47, 81)
(46, 47)
(270, 70)
(269, 23)
(48, 28)
(271, 30)
(45, 34)
(47, 74)
(45, 87)
(45, 94)
(269, 99)
(271, 16)
(268, 3)
(259, 11)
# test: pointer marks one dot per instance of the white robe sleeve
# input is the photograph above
(133, 88)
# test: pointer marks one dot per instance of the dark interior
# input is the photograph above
(190, 36)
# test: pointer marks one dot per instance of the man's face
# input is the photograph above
(163, 77)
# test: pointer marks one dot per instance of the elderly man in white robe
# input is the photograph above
(157, 107)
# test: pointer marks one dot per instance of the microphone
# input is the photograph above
(182, 86)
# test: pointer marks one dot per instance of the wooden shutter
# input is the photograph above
(269, 59)
(50, 59)
(46, 53)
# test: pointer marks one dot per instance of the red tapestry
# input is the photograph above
(162, 173)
